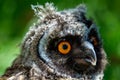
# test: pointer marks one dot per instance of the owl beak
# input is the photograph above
(90, 55)
(82, 59)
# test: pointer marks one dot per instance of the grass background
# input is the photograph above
(16, 16)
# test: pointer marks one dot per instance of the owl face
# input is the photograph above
(71, 45)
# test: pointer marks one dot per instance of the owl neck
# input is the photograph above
(50, 74)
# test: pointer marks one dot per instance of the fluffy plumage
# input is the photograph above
(40, 58)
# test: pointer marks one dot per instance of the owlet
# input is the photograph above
(60, 45)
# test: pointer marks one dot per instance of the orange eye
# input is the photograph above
(64, 47)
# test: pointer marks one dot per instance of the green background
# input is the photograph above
(16, 16)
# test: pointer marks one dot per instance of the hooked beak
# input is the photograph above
(83, 58)
(90, 55)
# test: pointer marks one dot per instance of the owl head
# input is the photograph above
(63, 43)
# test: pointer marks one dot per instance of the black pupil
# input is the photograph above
(65, 46)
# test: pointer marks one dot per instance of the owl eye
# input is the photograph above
(94, 40)
(64, 47)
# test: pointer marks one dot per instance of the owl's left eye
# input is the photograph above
(64, 47)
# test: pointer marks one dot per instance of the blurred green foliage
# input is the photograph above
(16, 16)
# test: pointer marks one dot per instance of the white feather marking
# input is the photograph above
(42, 48)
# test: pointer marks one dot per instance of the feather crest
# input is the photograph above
(43, 11)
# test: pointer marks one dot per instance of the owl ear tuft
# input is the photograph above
(41, 11)
(80, 12)
(82, 8)
(94, 36)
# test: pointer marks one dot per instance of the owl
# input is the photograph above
(60, 45)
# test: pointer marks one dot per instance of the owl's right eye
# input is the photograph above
(64, 47)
